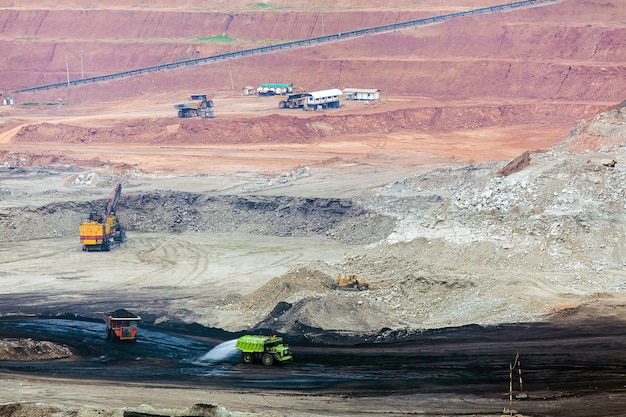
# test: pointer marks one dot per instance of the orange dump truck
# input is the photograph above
(121, 325)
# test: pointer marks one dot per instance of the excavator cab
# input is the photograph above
(94, 216)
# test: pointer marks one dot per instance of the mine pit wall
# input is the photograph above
(589, 64)
(176, 212)
(546, 231)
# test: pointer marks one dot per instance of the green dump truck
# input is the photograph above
(265, 349)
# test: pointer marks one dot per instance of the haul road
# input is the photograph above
(558, 361)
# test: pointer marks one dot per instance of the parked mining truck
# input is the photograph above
(316, 100)
(294, 101)
(121, 325)
(198, 106)
(101, 231)
(265, 349)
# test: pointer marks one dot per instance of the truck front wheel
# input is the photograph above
(247, 357)
(267, 359)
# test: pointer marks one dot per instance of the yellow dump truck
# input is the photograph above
(200, 105)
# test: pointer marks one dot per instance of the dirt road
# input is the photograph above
(456, 371)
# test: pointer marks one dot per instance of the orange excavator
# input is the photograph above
(101, 231)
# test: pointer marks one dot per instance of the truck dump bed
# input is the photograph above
(253, 343)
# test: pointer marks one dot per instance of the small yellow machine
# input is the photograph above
(351, 282)
(100, 231)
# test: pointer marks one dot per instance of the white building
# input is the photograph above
(361, 93)
(324, 98)
(249, 90)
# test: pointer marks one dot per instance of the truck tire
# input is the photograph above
(282, 104)
(210, 103)
(247, 357)
(267, 359)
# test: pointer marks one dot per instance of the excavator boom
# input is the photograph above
(112, 206)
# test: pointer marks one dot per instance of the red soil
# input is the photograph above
(487, 87)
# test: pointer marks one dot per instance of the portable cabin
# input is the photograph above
(361, 93)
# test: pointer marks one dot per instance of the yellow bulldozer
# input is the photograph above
(351, 282)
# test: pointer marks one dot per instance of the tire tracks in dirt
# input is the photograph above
(5, 137)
